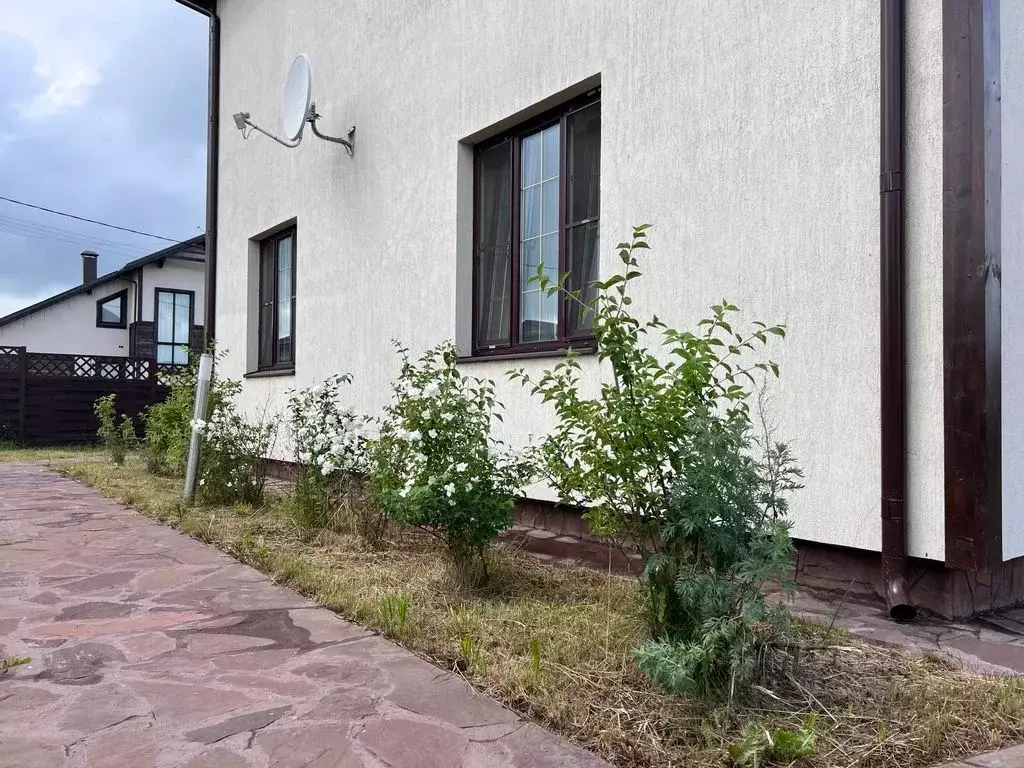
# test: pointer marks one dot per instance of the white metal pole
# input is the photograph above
(198, 413)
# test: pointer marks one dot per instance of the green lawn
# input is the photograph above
(14, 452)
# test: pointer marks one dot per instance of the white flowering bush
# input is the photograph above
(233, 464)
(327, 436)
(435, 464)
(330, 449)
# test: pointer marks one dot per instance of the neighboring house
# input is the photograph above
(491, 136)
(152, 307)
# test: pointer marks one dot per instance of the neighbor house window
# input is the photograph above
(536, 201)
(173, 325)
(112, 311)
(277, 301)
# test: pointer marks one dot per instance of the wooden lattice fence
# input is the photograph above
(47, 399)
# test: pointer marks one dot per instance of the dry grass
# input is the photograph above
(876, 706)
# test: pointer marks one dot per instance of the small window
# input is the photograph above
(112, 311)
(277, 302)
(174, 313)
(536, 201)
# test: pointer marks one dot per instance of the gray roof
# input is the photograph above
(195, 246)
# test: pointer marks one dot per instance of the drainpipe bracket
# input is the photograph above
(891, 181)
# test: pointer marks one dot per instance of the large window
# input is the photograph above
(173, 325)
(277, 301)
(536, 202)
(112, 311)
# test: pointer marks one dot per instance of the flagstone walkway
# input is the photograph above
(151, 649)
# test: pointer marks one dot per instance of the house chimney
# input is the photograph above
(89, 259)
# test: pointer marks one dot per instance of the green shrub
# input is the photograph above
(435, 465)
(117, 437)
(665, 461)
(169, 424)
(233, 456)
(760, 746)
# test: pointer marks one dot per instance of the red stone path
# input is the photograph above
(151, 649)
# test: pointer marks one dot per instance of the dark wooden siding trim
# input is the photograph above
(971, 291)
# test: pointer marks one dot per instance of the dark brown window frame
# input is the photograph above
(123, 296)
(556, 116)
(156, 320)
(275, 364)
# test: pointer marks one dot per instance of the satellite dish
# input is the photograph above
(298, 91)
(297, 109)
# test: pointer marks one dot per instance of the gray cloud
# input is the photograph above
(107, 123)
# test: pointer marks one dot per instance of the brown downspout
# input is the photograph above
(208, 9)
(892, 317)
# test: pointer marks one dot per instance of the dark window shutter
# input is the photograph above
(144, 341)
(583, 234)
(268, 275)
(195, 340)
(493, 248)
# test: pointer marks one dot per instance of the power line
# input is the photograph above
(117, 250)
(17, 225)
(90, 221)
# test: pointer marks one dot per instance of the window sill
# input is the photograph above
(269, 372)
(584, 349)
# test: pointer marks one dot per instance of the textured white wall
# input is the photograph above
(70, 326)
(177, 275)
(746, 132)
(1011, 25)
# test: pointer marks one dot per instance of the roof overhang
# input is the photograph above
(187, 250)
(202, 6)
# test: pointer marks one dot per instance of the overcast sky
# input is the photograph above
(102, 114)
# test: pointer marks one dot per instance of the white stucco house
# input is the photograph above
(854, 170)
(152, 307)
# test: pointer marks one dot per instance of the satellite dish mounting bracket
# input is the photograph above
(311, 118)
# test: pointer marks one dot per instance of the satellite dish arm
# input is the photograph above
(314, 116)
(242, 120)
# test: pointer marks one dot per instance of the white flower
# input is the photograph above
(431, 390)
(432, 433)
(449, 489)
(461, 466)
